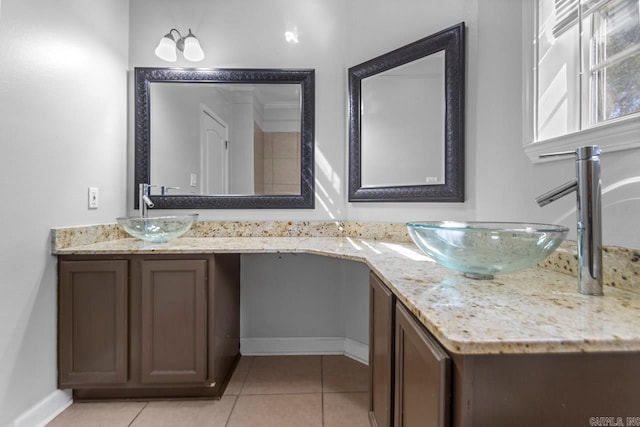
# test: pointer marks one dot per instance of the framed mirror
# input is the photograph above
(406, 122)
(225, 138)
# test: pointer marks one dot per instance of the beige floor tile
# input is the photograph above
(186, 413)
(346, 409)
(112, 414)
(277, 410)
(341, 373)
(283, 374)
(239, 376)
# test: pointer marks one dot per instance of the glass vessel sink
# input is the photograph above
(482, 249)
(158, 229)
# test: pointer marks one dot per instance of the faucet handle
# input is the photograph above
(557, 154)
(581, 153)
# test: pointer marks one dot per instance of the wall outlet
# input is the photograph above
(193, 181)
(93, 197)
(432, 180)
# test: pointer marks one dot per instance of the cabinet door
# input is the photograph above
(92, 323)
(173, 321)
(422, 389)
(381, 303)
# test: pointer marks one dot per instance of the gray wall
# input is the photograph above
(296, 296)
(175, 131)
(63, 128)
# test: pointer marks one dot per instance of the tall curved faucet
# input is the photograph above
(589, 193)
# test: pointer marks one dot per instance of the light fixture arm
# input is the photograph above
(178, 41)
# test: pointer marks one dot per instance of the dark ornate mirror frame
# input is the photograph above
(304, 77)
(452, 42)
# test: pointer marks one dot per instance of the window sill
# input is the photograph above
(616, 136)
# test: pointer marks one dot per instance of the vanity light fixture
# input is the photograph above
(188, 45)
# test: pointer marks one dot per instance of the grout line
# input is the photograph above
(138, 414)
(344, 392)
(293, 393)
(322, 389)
(244, 380)
(297, 393)
(233, 407)
(237, 396)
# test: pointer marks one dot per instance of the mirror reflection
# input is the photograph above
(393, 153)
(216, 138)
(225, 138)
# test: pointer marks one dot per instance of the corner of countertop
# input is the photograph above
(65, 237)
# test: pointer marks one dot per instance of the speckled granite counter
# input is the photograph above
(534, 311)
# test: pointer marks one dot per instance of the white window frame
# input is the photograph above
(613, 135)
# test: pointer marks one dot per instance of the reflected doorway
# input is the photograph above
(214, 138)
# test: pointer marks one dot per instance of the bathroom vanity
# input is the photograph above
(523, 349)
(148, 325)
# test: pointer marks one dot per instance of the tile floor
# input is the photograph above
(297, 391)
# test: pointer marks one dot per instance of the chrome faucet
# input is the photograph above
(588, 188)
(144, 201)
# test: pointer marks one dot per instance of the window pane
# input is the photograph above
(622, 88)
(558, 90)
(615, 60)
(620, 20)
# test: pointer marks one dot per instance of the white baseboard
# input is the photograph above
(300, 346)
(45, 410)
(356, 350)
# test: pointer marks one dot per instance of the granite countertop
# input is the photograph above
(534, 311)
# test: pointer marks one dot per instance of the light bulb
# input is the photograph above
(192, 50)
(166, 49)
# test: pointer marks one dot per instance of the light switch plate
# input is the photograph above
(93, 197)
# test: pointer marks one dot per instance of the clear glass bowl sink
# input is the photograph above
(482, 249)
(157, 229)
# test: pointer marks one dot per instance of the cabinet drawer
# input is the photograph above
(422, 375)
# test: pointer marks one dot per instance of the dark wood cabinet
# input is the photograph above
(381, 354)
(554, 389)
(176, 321)
(422, 376)
(173, 321)
(409, 372)
(434, 387)
(224, 319)
(92, 325)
